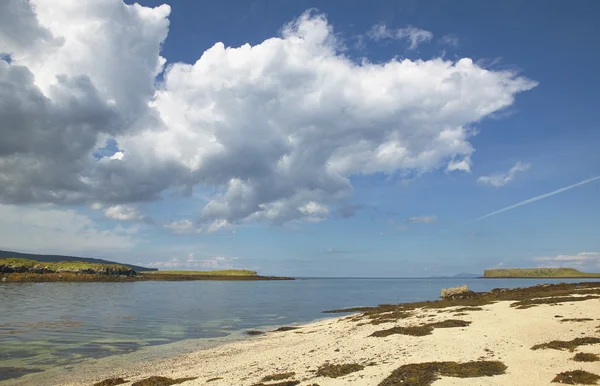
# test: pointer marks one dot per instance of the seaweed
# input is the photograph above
(424, 374)
(161, 381)
(111, 382)
(334, 371)
(254, 332)
(286, 328)
(530, 296)
(570, 345)
(577, 320)
(422, 330)
(278, 377)
(214, 379)
(586, 357)
(284, 383)
(576, 377)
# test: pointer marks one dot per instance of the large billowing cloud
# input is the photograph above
(278, 128)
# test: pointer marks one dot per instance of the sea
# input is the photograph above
(48, 325)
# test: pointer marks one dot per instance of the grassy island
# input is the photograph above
(25, 270)
(537, 272)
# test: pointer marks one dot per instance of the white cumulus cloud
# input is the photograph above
(276, 129)
(501, 179)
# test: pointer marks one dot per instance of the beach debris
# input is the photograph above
(214, 379)
(254, 332)
(334, 371)
(577, 377)
(456, 292)
(586, 357)
(161, 381)
(422, 330)
(424, 374)
(278, 377)
(570, 345)
(111, 382)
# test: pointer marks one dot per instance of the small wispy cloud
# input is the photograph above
(422, 219)
(414, 35)
(528, 201)
(191, 262)
(501, 179)
(579, 260)
(450, 40)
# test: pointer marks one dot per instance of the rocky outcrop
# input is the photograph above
(459, 292)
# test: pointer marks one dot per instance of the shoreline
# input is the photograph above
(483, 328)
(65, 277)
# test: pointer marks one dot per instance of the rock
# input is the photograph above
(455, 292)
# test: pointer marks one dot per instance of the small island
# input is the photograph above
(532, 273)
(27, 270)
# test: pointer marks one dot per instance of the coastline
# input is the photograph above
(66, 277)
(492, 330)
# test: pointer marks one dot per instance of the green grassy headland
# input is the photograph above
(537, 272)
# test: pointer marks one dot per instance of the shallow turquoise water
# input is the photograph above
(49, 324)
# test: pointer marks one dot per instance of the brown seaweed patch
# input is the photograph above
(254, 332)
(424, 374)
(479, 299)
(586, 357)
(570, 345)
(334, 371)
(577, 320)
(161, 381)
(286, 328)
(527, 303)
(111, 382)
(278, 377)
(576, 377)
(421, 330)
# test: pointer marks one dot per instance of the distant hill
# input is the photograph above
(57, 258)
(467, 274)
(537, 272)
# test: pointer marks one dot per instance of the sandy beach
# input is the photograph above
(498, 331)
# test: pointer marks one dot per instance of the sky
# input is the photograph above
(304, 138)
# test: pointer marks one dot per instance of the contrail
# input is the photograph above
(528, 201)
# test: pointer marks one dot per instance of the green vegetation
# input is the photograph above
(422, 330)
(570, 345)
(335, 371)
(17, 265)
(224, 272)
(586, 357)
(537, 272)
(57, 258)
(424, 374)
(576, 377)
(161, 381)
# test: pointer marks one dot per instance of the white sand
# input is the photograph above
(508, 332)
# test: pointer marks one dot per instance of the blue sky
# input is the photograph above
(145, 187)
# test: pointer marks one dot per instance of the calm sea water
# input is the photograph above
(44, 325)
